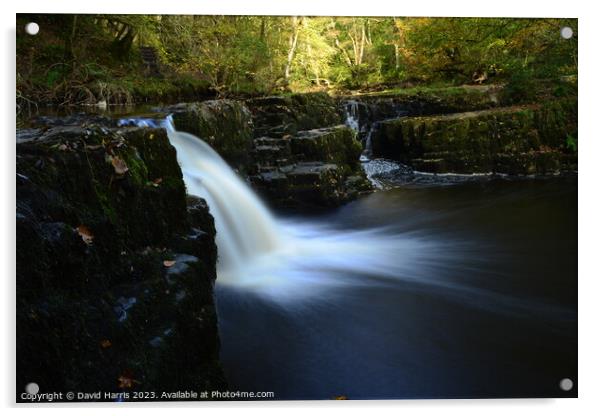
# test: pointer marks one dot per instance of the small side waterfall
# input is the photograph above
(372, 167)
(352, 119)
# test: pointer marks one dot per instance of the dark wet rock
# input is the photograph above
(333, 144)
(225, 124)
(311, 183)
(514, 140)
(310, 168)
(94, 304)
(314, 184)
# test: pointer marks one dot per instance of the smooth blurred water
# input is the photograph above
(461, 291)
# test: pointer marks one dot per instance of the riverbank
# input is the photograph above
(303, 150)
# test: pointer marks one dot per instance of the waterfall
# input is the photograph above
(367, 153)
(303, 260)
(245, 227)
(352, 119)
(372, 167)
(276, 258)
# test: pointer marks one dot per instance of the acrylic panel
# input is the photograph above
(295, 208)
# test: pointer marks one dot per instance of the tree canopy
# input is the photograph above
(75, 55)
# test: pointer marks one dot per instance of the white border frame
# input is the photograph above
(590, 152)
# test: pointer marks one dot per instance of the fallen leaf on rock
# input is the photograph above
(119, 165)
(155, 183)
(169, 263)
(85, 233)
(105, 343)
(126, 380)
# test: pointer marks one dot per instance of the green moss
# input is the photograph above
(332, 145)
(137, 170)
(105, 202)
(224, 124)
(483, 141)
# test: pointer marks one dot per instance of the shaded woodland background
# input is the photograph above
(122, 59)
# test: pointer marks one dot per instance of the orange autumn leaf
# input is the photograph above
(85, 233)
(169, 263)
(340, 398)
(119, 165)
(125, 382)
(105, 343)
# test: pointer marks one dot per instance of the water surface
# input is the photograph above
(467, 290)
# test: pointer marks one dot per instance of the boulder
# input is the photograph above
(115, 267)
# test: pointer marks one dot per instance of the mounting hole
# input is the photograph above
(566, 32)
(32, 28)
(32, 388)
(566, 384)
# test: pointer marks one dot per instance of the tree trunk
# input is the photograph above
(292, 48)
(70, 39)
(362, 44)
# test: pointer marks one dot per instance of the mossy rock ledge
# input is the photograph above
(277, 116)
(115, 265)
(303, 156)
(292, 148)
(370, 108)
(523, 140)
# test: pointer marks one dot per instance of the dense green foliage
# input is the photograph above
(89, 58)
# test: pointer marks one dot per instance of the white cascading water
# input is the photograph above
(245, 228)
(372, 167)
(352, 111)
